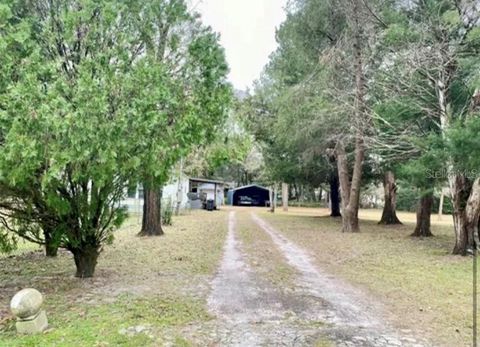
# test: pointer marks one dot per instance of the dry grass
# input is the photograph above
(162, 281)
(424, 287)
(264, 257)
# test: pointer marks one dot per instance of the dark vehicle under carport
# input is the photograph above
(251, 195)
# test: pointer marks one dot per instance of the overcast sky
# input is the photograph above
(247, 29)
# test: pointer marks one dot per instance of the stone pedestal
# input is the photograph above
(26, 305)
(37, 324)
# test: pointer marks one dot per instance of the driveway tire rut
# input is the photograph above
(250, 311)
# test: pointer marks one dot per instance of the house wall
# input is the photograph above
(170, 192)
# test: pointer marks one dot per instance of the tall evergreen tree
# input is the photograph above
(86, 108)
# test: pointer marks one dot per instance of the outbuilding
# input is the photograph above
(251, 195)
(184, 192)
(207, 189)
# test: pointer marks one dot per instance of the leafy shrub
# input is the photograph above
(167, 212)
(408, 196)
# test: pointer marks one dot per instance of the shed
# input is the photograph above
(251, 195)
(210, 189)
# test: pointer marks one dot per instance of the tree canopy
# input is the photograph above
(94, 96)
(379, 85)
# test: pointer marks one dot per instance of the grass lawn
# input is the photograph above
(159, 283)
(162, 283)
(423, 287)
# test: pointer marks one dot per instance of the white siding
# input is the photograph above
(170, 192)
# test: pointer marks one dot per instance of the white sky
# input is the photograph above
(247, 29)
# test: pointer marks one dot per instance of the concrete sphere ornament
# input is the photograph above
(26, 305)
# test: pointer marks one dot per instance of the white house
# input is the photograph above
(188, 192)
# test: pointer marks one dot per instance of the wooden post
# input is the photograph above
(285, 196)
(215, 196)
(179, 189)
(274, 196)
(137, 203)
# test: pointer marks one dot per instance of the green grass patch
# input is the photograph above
(87, 325)
(323, 342)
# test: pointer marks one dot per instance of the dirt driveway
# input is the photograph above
(313, 308)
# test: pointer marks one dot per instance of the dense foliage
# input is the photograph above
(87, 106)
(382, 87)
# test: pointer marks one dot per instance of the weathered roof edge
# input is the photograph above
(206, 180)
(248, 186)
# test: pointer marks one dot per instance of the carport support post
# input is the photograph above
(274, 196)
(215, 195)
(285, 196)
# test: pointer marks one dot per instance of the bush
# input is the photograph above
(167, 212)
(407, 200)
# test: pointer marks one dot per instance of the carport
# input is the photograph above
(251, 195)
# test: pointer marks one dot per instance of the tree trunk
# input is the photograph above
(460, 191)
(51, 250)
(51, 247)
(334, 196)
(350, 192)
(273, 199)
(460, 187)
(389, 215)
(285, 196)
(466, 210)
(440, 205)
(350, 221)
(85, 260)
(152, 216)
(472, 213)
(424, 211)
